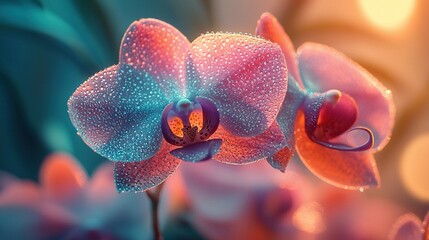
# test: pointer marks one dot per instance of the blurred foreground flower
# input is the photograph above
(337, 112)
(66, 205)
(169, 100)
(253, 202)
(410, 227)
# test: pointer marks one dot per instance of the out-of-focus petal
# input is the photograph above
(117, 112)
(143, 175)
(34, 222)
(20, 193)
(323, 68)
(350, 170)
(198, 152)
(407, 227)
(246, 78)
(240, 150)
(269, 28)
(158, 49)
(426, 227)
(101, 187)
(62, 177)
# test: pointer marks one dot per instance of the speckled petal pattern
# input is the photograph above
(242, 150)
(244, 76)
(158, 49)
(117, 112)
(286, 121)
(323, 68)
(349, 170)
(269, 28)
(143, 175)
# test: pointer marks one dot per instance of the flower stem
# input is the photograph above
(154, 195)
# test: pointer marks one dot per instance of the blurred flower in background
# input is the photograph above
(253, 202)
(67, 205)
(410, 227)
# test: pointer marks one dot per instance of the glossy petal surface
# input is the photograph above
(117, 112)
(244, 76)
(158, 49)
(323, 68)
(143, 175)
(269, 28)
(407, 227)
(198, 151)
(350, 170)
(241, 150)
(286, 122)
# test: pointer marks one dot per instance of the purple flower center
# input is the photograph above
(187, 121)
(329, 115)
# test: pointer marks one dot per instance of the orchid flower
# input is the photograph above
(67, 204)
(335, 114)
(410, 227)
(169, 100)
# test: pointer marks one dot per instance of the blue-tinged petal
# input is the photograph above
(118, 112)
(158, 49)
(286, 121)
(245, 76)
(198, 152)
(143, 175)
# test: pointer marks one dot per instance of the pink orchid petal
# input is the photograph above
(117, 112)
(350, 170)
(101, 187)
(323, 68)
(269, 28)
(143, 175)
(62, 177)
(158, 49)
(20, 193)
(407, 227)
(240, 150)
(244, 76)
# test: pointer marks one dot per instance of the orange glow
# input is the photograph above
(415, 167)
(196, 119)
(388, 14)
(309, 218)
(176, 126)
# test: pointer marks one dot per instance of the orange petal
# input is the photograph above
(349, 170)
(62, 177)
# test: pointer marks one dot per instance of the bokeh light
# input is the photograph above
(387, 14)
(415, 167)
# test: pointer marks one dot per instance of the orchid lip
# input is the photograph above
(331, 114)
(188, 122)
